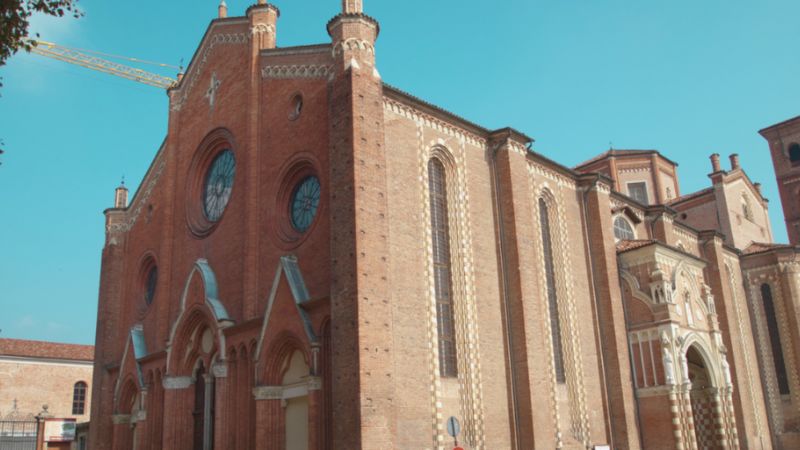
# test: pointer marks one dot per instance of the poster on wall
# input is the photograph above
(59, 430)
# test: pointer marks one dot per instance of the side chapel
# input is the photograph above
(318, 260)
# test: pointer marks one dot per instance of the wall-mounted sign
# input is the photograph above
(59, 430)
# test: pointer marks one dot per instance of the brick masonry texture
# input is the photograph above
(260, 336)
(37, 373)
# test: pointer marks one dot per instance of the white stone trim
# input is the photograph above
(297, 71)
(45, 361)
(169, 382)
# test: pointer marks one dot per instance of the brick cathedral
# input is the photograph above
(318, 260)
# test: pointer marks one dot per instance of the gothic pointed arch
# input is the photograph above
(278, 355)
(288, 274)
(198, 330)
(694, 341)
(130, 371)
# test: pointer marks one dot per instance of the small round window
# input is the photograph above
(219, 184)
(150, 283)
(304, 203)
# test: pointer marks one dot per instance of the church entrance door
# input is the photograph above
(702, 399)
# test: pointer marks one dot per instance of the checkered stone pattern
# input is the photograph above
(704, 421)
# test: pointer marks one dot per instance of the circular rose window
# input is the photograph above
(218, 185)
(304, 203)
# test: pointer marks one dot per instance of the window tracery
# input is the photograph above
(623, 230)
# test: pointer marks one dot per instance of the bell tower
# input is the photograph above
(361, 310)
(784, 145)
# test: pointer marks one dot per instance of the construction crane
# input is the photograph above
(95, 61)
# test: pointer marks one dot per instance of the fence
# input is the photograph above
(18, 434)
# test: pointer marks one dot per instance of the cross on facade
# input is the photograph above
(211, 93)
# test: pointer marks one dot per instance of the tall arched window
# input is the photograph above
(552, 299)
(775, 339)
(79, 399)
(440, 235)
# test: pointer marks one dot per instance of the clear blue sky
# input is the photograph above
(688, 78)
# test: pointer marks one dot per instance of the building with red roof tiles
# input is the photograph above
(45, 377)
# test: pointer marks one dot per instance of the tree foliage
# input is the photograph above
(15, 18)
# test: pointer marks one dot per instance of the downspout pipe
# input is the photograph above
(507, 313)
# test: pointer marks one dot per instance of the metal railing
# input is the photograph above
(18, 434)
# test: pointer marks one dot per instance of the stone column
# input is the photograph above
(222, 413)
(315, 413)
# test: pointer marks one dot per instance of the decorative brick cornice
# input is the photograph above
(352, 44)
(430, 121)
(262, 28)
(353, 17)
(140, 201)
(185, 87)
(297, 71)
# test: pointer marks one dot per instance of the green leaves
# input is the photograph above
(15, 19)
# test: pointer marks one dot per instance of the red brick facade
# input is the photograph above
(240, 327)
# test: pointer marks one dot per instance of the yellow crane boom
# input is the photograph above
(85, 59)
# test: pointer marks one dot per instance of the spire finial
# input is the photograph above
(352, 6)
(223, 9)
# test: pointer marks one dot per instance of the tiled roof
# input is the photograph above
(41, 349)
(683, 198)
(758, 247)
(632, 244)
(615, 152)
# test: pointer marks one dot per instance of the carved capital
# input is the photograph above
(314, 383)
(119, 419)
(219, 369)
(176, 382)
(268, 392)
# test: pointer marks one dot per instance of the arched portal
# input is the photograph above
(703, 399)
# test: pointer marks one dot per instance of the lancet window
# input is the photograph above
(775, 339)
(440, 235)
(552, 296)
